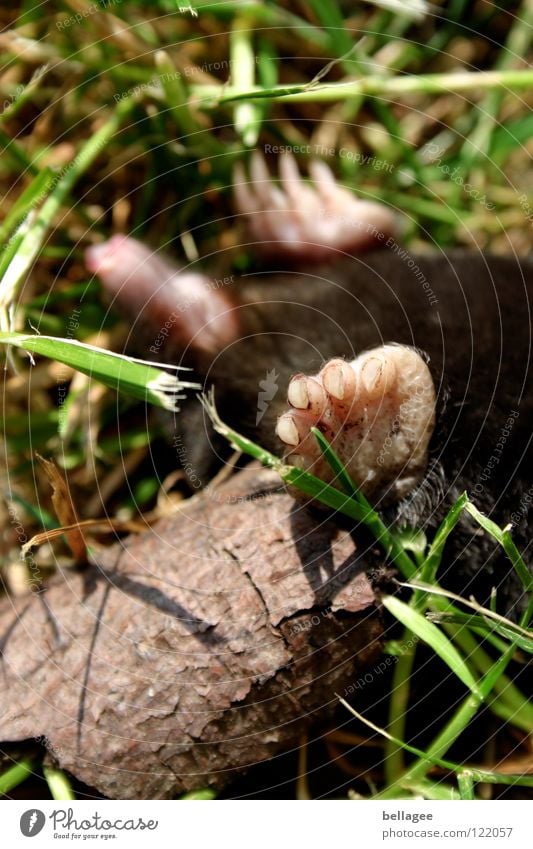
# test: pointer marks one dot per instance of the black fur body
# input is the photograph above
(470, 314)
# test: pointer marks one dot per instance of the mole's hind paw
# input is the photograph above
(378, 412)
(183, 308)
(305, 221)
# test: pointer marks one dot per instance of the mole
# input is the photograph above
(416, 367)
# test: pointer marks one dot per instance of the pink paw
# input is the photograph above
(307, 221)
(183, 306)
(378, 412)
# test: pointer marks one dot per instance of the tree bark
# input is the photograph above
(186, 654)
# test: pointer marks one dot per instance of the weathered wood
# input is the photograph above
(186, 654)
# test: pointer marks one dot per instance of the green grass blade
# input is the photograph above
(16, 153)
(465, 782)
(25, 95)
(199, 795)
(58, 784)
(478, 623)
(505, 540)
(376, 86)
(175, 94)
(332, 20)
(435, 791)
(478, 775)
(309, 484)
(16, 774)
(371, 518)
(124, 374)
(29, 199)
(354, 504)
(34, 237)
(433, 636)
(434, 557)
(246, 116)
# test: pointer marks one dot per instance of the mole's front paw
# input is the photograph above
(378, 412)
(307, 221)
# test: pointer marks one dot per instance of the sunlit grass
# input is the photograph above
(131, 118)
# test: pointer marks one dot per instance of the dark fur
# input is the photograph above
(477, 335)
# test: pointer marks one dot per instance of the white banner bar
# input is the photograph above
(266, 824)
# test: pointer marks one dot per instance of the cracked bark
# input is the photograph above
(182, 656)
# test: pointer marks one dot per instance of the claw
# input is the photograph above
(378, 411)
(287, 431)
(378, 375)
(304, 221)
(290, 176)
(245, 199)
(322, 174)
(306, 393)
(269, 194)
(339, 380)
